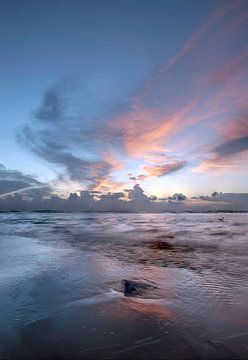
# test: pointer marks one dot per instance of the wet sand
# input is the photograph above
(62, 291)
(112, 330)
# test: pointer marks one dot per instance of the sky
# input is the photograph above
(102, 95)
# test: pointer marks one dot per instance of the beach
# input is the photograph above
(62, 295)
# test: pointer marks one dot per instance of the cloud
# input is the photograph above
(234, 128)
(47, 147)
(14, 181)
(112, 196)
(232, 147)
(139, 177)
(51, 107)
(215, 89)
(186, 47)
(162, 170)
(234, 68)
(178, 197)
(144, 130)
(62, 139)
(137, 201)
(223, 154)
(204, 85)
(137, 195)
(151, 171)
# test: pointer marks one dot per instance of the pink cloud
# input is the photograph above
(165, 169)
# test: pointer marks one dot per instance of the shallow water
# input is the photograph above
(61, 292)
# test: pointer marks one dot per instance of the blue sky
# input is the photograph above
(97, 92)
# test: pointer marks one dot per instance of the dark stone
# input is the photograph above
(167, 236)
(161, 245)
(135, 288)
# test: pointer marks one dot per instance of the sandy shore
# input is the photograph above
(62, 297)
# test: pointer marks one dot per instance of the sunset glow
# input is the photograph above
(178, 116)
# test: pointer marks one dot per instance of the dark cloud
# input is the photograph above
(140, 177)
(66, 140)
(15, 181)
(112, 196)
(179, 197)
(137, 201)
(137, 194)
(51, 107)
(232, 147)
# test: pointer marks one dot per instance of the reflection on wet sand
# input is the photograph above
(151, 307)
